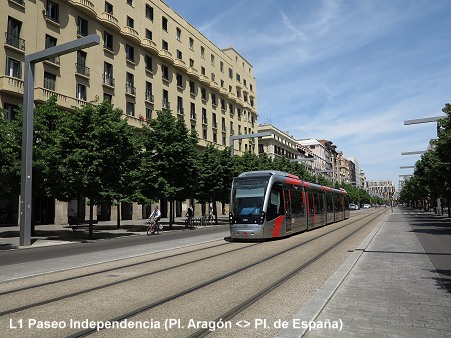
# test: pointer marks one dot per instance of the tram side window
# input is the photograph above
(275, 205)
(297, 203)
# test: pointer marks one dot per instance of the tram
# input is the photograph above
(272, 204)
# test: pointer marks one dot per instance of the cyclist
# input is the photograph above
(156, 214)
(189, 215)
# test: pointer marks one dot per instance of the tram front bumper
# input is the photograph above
(246, 232)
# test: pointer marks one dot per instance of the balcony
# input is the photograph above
(110, 20)
(180, 111)
(14, 41)
(55, 61)
(43, 94)
(11, 85)
(166, 55)
(214, 85)
(130, 90)
(82, 70)
(149, 97)
(180, 64)
(108, 81)
(20, 3)
(150, 46)
(131, 34)
(165, 104)
(193, 72)
(85, 6)
(204, 79)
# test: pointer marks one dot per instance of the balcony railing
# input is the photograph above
(15, 41)
(166, 104)
(149, 96)
(82, 69)
(108, 80)
(180, 110)
(129, 89)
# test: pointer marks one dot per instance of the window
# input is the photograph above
(213, 120)
(179, 55)
(82, 26)
(148, 113)
(107, 97)
(164, 23)
(215, 138)
(13, 34)
(202, 70)
(238, 77)
(230, 73)
(191, 62)
(13, 68)
(192, 111)
(191, 43)
(81, 63)
(149, 96)
(212, 59)
(108, 41)
(130, 2)
(130, 84)
(50, 41)
(130, 53)
(179, 80)
(192, 87)
(52, 11)
(81, 92)
(204, 134)
(223, 125)
(203, 94)
(108, 74)
(108, 8)
(130, 108)
(49, 81)
(149, 12)
(178, 33)
(10, 111)
(221, 66)
(214, 101)
(204, 116)
(179, 105)
(166, 104)
(164, 45)
(130, 22)
(202, 52)
(165, 72)
(148, 63)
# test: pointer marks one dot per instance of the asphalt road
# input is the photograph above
(434, 235)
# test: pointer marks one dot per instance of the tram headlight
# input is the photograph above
(262, 218)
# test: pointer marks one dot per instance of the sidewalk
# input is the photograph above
(388, 287)
(52, 234)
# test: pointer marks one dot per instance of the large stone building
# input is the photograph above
(278, 145)
(382, 188)
(149, 58)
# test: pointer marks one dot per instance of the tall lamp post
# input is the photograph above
(244, 136)
(26, 181)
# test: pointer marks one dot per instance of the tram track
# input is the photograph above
(168, 298)
(251, 300)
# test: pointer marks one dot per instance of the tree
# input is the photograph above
(169, 167)
(215, 176)
(10, 157)
(96, 156)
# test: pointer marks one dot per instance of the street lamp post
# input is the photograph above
(26, 181)
(244, 136)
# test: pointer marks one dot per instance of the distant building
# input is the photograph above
(279, 145)
(383, 188)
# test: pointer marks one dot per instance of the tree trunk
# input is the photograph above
(118, 225)
(91, 220)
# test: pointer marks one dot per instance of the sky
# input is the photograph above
(349, 71)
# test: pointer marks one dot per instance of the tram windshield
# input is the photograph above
(248, 196)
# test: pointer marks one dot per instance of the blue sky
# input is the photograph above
(350, 71)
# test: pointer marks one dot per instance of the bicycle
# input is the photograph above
(189, 223)
(152, 228)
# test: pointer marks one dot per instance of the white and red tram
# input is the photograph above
(271, 204)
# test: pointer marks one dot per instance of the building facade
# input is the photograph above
(382, 188)
(278, 145)
(149, 59)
